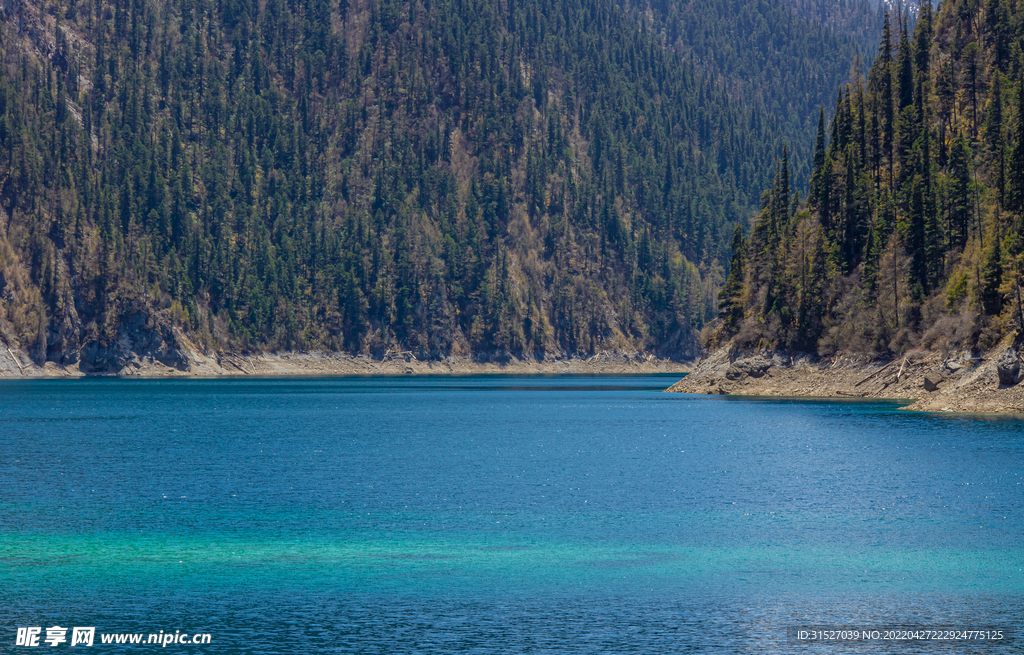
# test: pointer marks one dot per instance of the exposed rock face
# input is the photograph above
(64, 346)
(753, 367)
(147, 344)
(965, 381)
(140, 338)
(1008, 367)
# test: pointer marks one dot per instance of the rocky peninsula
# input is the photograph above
(966, 381)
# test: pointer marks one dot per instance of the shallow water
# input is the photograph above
(500, 514)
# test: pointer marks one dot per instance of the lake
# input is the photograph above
(501, 515)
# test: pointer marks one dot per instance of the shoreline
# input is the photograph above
(196, 364)
(926, 381)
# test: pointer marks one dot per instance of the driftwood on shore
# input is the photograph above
(878, 372)
(16, 361)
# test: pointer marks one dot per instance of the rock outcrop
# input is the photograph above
(1008, 367)
(951, 382)
(65, 344)
(140, 340)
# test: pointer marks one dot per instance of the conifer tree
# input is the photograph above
(941, 227)
(730, 301)
(1015, 183)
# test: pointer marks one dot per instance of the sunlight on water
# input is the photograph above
(499, 515)
(345, 562)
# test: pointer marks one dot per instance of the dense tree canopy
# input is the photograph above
(441, 176)
(910, 235)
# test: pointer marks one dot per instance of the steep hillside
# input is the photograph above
(785, 55)
(457, 177)
(910, 237)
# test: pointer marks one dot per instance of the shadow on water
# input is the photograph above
(886, 403)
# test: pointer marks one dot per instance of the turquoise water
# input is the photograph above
(499, 514)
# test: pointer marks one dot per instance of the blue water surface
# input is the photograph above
(500, 515)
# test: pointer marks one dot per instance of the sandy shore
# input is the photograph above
(931, 382)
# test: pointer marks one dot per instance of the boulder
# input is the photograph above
(753, 367)
(1008, 367)
(929, 385)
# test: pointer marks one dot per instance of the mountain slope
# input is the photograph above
(911, 234)
(457, 177)
(787, 55)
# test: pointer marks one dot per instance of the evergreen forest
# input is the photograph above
(485, 178)
(909, 235)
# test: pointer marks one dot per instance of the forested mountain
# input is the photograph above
(857, 19)
(786, 56)
(911, 233)
(484, 177)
